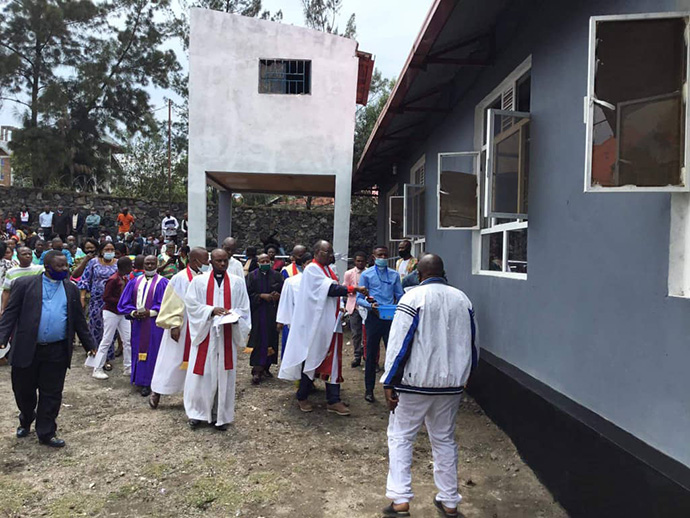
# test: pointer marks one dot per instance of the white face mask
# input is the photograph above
(205, 268)
(149, 273)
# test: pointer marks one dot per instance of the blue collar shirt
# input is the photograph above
(383, 284)
(53, 324)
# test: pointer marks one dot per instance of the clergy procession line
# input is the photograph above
(183, 334)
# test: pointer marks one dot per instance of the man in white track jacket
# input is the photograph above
(431, 352)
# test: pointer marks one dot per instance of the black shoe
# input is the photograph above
(194, 423)
(221, 427)
(145, 391)
(108, 367)
(446, 514)
(369, 397)
(53, 442)
(356, 363)
(22, 432)
(390, 512)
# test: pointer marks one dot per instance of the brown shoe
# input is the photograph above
(305, 406)
(338, 408)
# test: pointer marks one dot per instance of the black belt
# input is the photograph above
(48, 344)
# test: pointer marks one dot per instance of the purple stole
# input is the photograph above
(145, 324)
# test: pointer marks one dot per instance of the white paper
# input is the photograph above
(3, 352)
(230, 318)
(91, 361)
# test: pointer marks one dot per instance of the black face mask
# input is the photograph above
(405, 254)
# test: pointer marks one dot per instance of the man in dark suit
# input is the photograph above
(62, 223)
(44, 313)
(77, 220)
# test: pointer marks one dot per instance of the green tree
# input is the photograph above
(323, 15)
(79, 68)
(366, 117)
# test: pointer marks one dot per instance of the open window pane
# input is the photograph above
(638, 114)
(414, 208)
(508, 164)
(458, 190)
(395, 218)
(492, 252)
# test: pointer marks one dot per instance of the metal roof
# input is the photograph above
(456, 41)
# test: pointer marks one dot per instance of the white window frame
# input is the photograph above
(510, 81)
(590, 100)
(489, 209)
(414, 182)
(477, 168)
(390, 219)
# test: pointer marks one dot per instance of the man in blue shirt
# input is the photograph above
(384, 288)
(44, 313)
(56, 244)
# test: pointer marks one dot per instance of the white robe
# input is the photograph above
(235, 268)
(169, 373)
(200, 390)
(313, 323)
(288, 299)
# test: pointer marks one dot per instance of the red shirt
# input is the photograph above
(112, 292)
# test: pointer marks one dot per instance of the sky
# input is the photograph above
(385, 28)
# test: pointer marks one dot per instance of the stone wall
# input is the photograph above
(249, 223)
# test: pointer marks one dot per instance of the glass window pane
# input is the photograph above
(415, 200)
(396, 218)
(458, 191)
(640, 72)
(492, 252)
(510, 165)
(517, 251)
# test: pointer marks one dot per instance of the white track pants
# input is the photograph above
(438, 413)
(113, 322)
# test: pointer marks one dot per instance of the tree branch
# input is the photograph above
(15, 101)
(17, 53)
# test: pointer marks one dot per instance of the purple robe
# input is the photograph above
(146, 336)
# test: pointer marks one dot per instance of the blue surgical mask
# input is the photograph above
(109, 256)
(57, 276)
(380, 262)
(205, 268)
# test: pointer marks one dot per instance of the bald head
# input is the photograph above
(431, 265)
(323, 252)
(219, 260)
(229, 245)
(198, 253)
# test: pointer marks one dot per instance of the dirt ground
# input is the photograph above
(124, 459)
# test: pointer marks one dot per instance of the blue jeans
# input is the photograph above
(377, 329)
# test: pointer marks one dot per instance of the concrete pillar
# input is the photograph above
(341, 222)
(196, 206)
(679, 246)
(224, 215)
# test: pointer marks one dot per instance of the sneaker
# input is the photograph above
(338, 408)
(127, 372)
(100, 374)
(305, 406)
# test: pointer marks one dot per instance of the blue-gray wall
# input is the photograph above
(593, 319)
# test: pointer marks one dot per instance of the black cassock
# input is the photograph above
(263, 338)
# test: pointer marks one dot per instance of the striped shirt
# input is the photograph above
(17, 272)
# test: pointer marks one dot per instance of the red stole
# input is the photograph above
(325, 370)
(187, 338)
(199, 365)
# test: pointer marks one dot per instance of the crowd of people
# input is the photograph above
(179, 317)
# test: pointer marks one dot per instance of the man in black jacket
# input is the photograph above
(43, 314)
(62, 224)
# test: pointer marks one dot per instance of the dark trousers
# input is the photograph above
(45, 375)
(47, 233)
(92, 232)
(356, 329)
(305, 386)
(376, 330)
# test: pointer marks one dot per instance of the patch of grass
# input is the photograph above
(157, 470)
(124, 492)
(15, 495)
(76, 504)
(206, 491)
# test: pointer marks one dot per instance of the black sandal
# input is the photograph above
(442, 511)
(390, 511)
